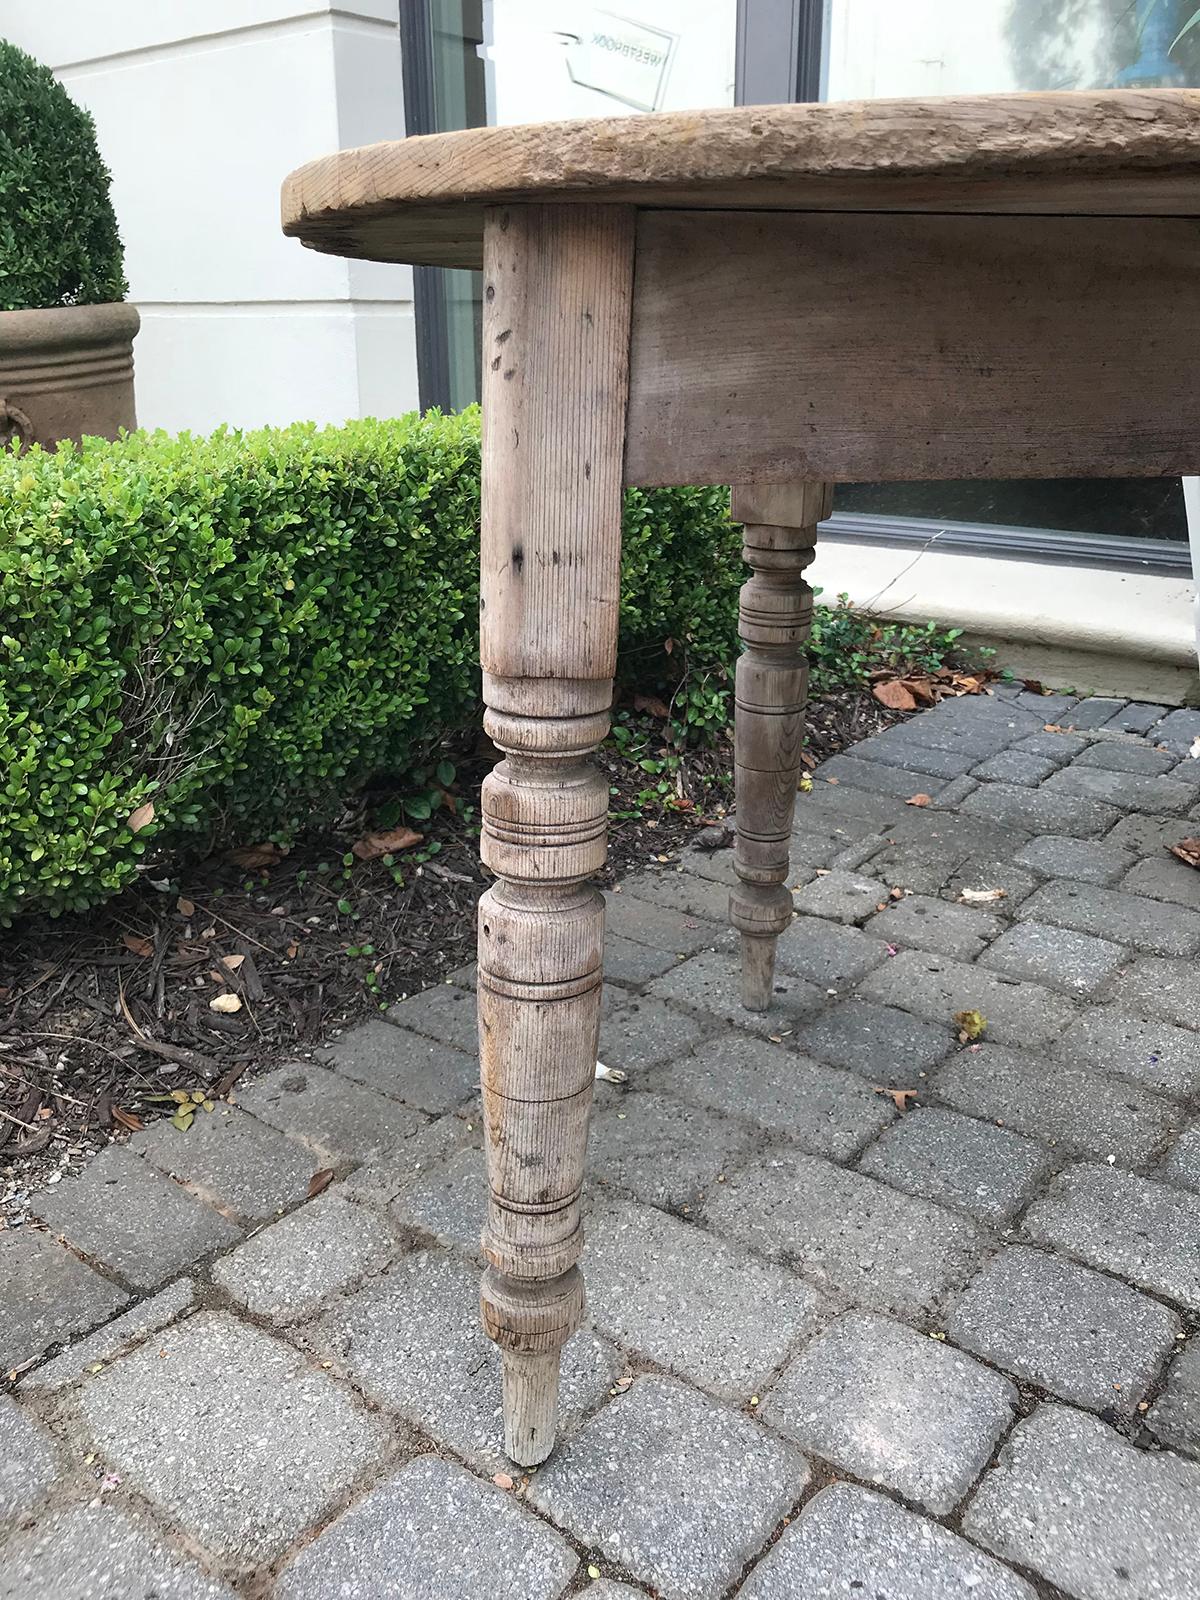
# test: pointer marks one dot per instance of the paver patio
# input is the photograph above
(979, 1314)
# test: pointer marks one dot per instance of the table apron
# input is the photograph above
(770, 347)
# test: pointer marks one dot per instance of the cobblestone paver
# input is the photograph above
(836, 1238)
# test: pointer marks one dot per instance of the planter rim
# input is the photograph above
(75, 326)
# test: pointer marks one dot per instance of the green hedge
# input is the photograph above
(240, 630)
(59, 244)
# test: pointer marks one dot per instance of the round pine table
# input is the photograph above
(780, 298)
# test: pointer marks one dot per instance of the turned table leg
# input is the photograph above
(557, 293)
(774, 618)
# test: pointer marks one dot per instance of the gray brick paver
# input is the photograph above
(1078, 963)
(826, 953)
(935, 986)
(630, 917)
(937, 925)
(445, 1013)
(287, 1270)
(1153, 986)
(427, 1074)
(1083, 1336)
(894, 1407)
(826, 1111)
(232, 1160)
(231, 1434)
(1164, 930)
(1145, 1231)
(447, 1201)
(958, 1161)
(123, 1213)
(673, 1294)
(97, 1552)
(1181, 1164)
(1042, 810)
(710, 984)
(1131, 791)
(876, 778)
(662, 1150)
(1057, 855)
(645, 1032)
(846, 897)
(1157, 1054)
(30, 1462)
(876, 1041)
(337, 1119)
(699, 1491)
(1069, 1105)
(1175, 1415)
(49, 1295)
(849, 1543)
(846, 1232)
(1103, 1520)
(1015, 766)
(1114, 755)
(1165, 878)
(432, 1532)
(1177, 731)
(114, 1337)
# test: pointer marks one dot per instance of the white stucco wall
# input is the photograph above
(202, 107)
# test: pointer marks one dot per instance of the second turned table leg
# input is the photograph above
(774, 619)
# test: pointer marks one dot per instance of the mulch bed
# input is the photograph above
(105, 1015)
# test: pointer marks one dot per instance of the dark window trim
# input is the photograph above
(1051, 545)
(778, 54)
(429, 289)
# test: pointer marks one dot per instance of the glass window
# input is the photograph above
(473, 62)
(935, 47)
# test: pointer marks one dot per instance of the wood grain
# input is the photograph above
(770, 348)
(1129, 151)
(557, 302)
(774, 620)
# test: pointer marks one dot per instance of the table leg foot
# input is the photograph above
(774, 619)
(530, 1406)
(758, 971)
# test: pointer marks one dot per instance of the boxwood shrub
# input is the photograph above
(239, 631)
(59, 244)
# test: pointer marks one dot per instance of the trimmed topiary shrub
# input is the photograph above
(221, 638)
(59, 244)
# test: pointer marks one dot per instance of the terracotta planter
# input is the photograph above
(66, 371)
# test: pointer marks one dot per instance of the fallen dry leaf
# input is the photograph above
(320, 1181)
(650, 704)
(232, 962)
(141, 818)
(256, 855)
(917, 800)
(983, 894)
(900, 1097)
(226, 1003)
(502, 1480)
(127, 1119)
(185, 908)
(970, 1025)
(136, 943)
(921, 689)
(389, 843)
(293, 950)
(895, 695)
(1188, 851)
